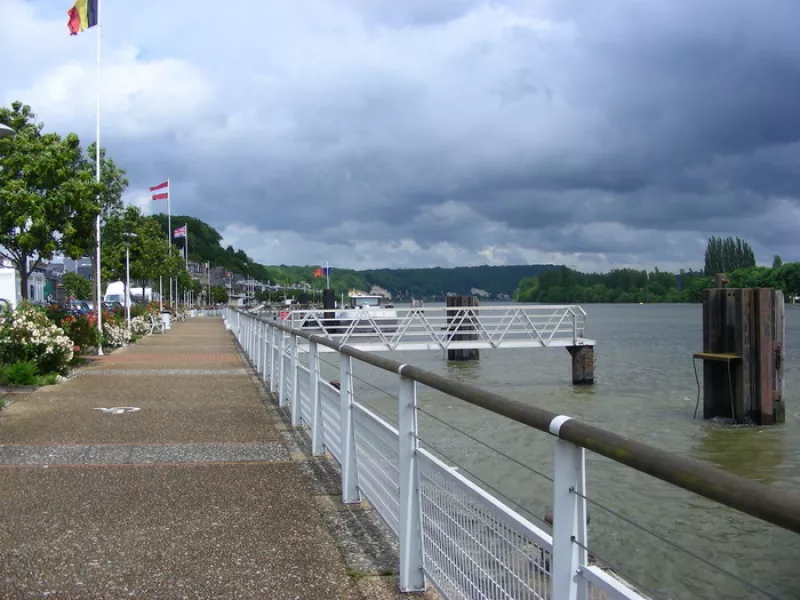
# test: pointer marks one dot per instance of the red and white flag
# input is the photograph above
(158, 195)
(180, 232)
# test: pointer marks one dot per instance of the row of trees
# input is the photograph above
(49, 198)
(49, 202)
(723, 255)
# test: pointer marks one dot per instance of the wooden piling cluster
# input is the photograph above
(457, 321)
(743, 354)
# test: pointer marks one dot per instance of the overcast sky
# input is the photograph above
(388, 133)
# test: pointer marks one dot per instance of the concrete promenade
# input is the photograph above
(203, 492)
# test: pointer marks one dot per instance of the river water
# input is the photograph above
(645, 389)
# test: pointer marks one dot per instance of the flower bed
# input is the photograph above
(140, 326)
(36, 344)
(27, 335)
(116, 334)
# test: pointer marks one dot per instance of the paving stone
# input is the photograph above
(110, 454)
(193, 495)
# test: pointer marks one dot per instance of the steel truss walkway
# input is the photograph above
(448, 328)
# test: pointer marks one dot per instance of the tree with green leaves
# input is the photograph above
(527, 290)
(76, 286)
(113, 185)
(724, 255)
(48, 197)
(149, 253)
(777, 261)
(219, 294)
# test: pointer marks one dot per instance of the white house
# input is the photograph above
(10, 285)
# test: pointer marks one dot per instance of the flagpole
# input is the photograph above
(186, 292)
(328, 276)
(169, 231)
(99, 306)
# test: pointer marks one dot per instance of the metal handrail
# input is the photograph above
(753, 498)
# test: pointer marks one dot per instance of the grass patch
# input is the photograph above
(23, 372)
(356, 574)
(47, 379)
(359, 575)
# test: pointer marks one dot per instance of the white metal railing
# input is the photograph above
(208, 312)
(491, 326)
(467, 542)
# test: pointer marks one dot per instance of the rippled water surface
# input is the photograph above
(645, 389)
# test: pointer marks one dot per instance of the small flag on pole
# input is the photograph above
(322, 271)
(82, 16)
(180, 232)
(161, 195)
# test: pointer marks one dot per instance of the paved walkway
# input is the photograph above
(203, 492)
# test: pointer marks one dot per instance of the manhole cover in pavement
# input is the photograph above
(118, 410)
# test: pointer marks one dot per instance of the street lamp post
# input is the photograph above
(128, 237)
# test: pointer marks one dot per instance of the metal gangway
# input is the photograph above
(447, 327)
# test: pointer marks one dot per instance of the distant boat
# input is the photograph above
(368, 313)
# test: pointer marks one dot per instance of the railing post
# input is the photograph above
(282, 380)
(272, 335)
(316, 408)
(569, 518)
(295, 384)
(264, 349)
(412, 577)
(267, 350)
(250, 331)
(350, 494)
(574, 327)
(259, 345)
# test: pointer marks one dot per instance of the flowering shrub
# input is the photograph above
(28, 335)
(116, 334)
(140, 326)
(145, 310)
(82, 330)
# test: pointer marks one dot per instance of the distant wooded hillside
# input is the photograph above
(205, 244)
(438, 281)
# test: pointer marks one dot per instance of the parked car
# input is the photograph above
(113, 306)
(79, 307)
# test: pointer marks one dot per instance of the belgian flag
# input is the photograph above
(82, 16)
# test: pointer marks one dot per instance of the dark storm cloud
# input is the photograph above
(576, 126)
(677, 108)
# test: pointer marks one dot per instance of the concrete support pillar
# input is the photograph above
(582, 364)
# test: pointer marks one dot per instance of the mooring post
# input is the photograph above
(742, 354)
(582, 364)
(461, 318)
(779, 340)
